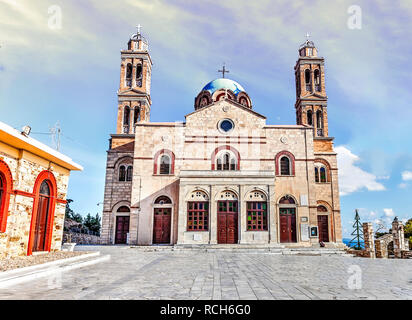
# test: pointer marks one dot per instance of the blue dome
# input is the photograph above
(223, 83)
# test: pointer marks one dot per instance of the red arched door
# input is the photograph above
(41, 223)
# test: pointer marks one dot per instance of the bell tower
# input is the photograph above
(311, 100)
(134, 100)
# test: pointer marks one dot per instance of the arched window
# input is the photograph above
(129, 74)
(122, 173)
(308, 80)
(139, 75)
(45, 189)
(317, 80)
(165, 164)
(129, 173)
(136, 115)
(285, 166)
(310, 117)
(319, 121)
(226, 161)
(163, 200)
(321, 173)
(287, 200)
(123, 209)
(126, 119)
(243, 101)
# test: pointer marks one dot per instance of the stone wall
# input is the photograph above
(80, 238)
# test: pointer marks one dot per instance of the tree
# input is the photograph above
(356, 242)
(408, 231)
(92, 223)
(70, 214)
(69, 211)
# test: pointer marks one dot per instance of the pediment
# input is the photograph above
(221, 104)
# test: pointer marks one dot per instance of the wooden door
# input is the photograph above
(287, 222)
(162, 225)
(227, 225)
(40, 231)
(122, 229)
(323, 227)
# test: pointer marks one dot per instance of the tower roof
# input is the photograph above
(223, 83)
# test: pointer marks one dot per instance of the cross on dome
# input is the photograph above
(139, 29)
(223, 71)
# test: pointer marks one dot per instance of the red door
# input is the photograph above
(287, 225)
(122, 229)
(161, 225)
(227, 223)
(40, 231)
(323, 227)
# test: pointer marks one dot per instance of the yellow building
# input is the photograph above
(33, 186)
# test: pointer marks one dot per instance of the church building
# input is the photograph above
(223, 175)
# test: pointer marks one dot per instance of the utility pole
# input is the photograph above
(55, 132)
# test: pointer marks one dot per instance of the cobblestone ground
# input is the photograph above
(133, 274)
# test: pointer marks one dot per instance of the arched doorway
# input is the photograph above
(323, 224)
(42, 222)
(227, 218)
(162, 220)
(287, 220)
(122, 225)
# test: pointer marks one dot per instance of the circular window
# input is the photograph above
(226, 125)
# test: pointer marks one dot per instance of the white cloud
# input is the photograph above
(407, 176)
(403, 185)
(353, 178)
(389, 212)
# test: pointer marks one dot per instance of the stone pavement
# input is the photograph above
(134, 274)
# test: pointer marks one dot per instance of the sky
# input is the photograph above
(60, 60)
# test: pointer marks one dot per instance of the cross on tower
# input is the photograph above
(139, 29)
(307, 36)
(223, 71)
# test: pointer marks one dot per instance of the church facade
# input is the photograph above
(222, 176)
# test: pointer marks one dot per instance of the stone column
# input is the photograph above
(369, 240)
(398, 238)
(181, 223)
(213, 216)
(134, 217)
(242, 216)
(272, 215)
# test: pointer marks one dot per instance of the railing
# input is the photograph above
(319, 132)
(128, 82)
(125, 129)
(318, 88)
(309, 87)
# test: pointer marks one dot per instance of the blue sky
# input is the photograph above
(71, 75)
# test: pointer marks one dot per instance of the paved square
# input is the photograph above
(134, 274)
